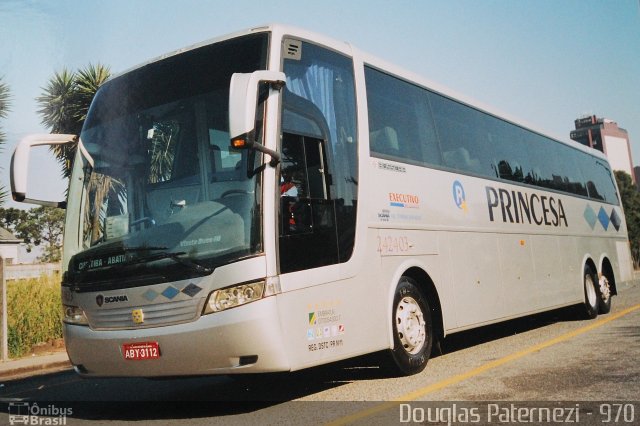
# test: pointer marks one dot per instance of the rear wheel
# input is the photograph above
(591, 293)
(604, 290)
(412, 329)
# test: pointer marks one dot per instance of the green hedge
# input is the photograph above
(35, 313)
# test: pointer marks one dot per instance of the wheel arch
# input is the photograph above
(588, 261)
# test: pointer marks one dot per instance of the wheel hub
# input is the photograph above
(605, 290)
(410, 325)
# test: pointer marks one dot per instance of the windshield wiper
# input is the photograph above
(144, 248)
(175, 256)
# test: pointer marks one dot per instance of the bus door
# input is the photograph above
(308, 235)
(318, 170)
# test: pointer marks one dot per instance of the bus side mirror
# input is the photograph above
(243, 103)
(20, 165)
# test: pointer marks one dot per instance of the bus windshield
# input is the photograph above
(165, 189)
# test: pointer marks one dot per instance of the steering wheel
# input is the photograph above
(233, 191)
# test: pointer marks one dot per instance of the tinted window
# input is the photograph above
(153, 182)
(319, 171)
(543, 165)
(511, 157)
(463, 136)
(569, 169)
(400, 121)
(600, 180)
(444, 132)
(320, 98)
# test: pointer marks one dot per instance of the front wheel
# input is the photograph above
(412, 329)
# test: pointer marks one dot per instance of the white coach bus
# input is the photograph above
(275, 200)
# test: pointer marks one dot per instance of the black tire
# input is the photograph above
(604, 297)
(591, 293)
(412, 330)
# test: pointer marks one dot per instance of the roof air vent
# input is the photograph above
(292, 49)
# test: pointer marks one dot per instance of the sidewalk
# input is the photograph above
(34, 365)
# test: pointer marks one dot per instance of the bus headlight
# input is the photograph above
(74, 315)
(230, 297)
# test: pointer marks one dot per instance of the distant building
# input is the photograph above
(605, 135)
(9, 245)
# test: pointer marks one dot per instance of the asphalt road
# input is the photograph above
(510, 373)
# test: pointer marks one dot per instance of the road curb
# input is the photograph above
(34, 370)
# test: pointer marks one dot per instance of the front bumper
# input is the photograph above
(247, 339)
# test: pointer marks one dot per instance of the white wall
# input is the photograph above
(618, 154)
(9, 251)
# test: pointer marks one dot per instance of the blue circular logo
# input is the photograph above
(458, 195)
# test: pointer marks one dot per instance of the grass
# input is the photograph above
(35, 313)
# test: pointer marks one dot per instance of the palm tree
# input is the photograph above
(4, 99)
(88, 81)
(4, 109)
(57, 103)
(162, 150)
(64, 105)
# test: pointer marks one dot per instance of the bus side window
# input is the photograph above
(317, 226)
(600, 184)
(304, 186)
(385, 141)
(304, 177)
(401, 125)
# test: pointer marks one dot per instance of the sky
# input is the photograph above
(544, 62)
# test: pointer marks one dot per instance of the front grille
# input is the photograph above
(166, 313)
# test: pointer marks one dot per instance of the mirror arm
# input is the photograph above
(275, 156)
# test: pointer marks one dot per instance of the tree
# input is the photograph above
(10, 218)
(631, 203)
(64, 104)
(51, 226)
(40, 226)
(59, 102)
(88, 81)
(4, 109)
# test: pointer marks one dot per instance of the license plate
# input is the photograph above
(141, 351)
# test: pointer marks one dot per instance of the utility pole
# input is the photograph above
(5, 327)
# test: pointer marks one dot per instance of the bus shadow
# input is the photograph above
(135, 399)
(478, 336)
